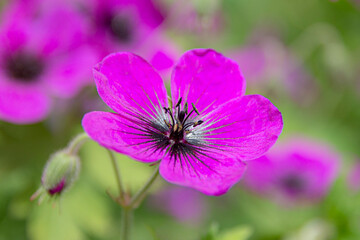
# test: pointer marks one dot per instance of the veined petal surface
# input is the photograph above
(245, 127)
(210, 174)
(126, 82)
(207, 79)
(121, 133)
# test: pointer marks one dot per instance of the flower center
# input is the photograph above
(119, 26)
(24, 67)
(293, 184)
(174, 132)
(180, 123)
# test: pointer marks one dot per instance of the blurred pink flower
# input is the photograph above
(298, 169)
(41, 56)
(200, 146)
(353, 179)
(119, 25)
(268, 61)
(253, 61)
(161, 53)
(184, 204)
(190, 17)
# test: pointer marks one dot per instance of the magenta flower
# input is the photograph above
(41, 56)
(203, 137)
(121, 24)
(298, 169)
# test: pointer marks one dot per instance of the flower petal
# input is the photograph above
(245, 127)
(260, 175)
(21, 104)
(121, 135)
(56, 36)
(208, 174)
(70, 73)
(126, 81)
(206, 78)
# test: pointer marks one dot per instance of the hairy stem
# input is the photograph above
(140, 195)
(76, 143)
(117, 174)
(126, 220)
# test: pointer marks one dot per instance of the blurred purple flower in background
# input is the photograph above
(253, 62)
(41, 56)
(161, 53)
(202, 18)
(353, 179)
(297, 169)
(119, 25)
(184, 204)
(203, 138)
(267, 62)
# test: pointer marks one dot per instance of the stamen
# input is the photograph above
(180, 126)
(167, 123)
(179, 102)
(195, 109)
(198, 123)
(181, 116)
(171, 115)
(186, 108)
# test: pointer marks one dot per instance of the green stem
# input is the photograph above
(117, 174)
(76, 143)
(139, 196)
(126, 219)
(127, 209)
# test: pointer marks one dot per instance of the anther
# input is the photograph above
(181, 116)
(195, 109)
(198, 123)
(186, 108)
(179, 102)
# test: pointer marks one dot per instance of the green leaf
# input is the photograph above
(237, 233)
(97, 161)
(212, 232)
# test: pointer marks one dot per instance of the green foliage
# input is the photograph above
(236, 233)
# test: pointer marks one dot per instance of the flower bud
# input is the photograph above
(60, 172)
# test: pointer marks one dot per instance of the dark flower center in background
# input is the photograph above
(293, 184)
(119, 25)
(24, 67)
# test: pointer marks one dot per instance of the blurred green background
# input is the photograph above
(324, 36)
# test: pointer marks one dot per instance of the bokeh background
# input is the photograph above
(302, 55)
